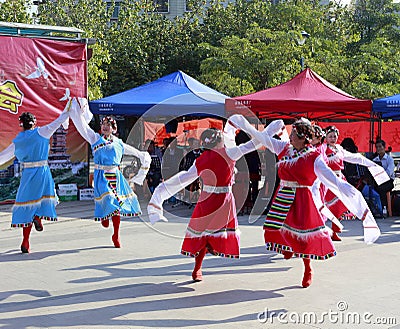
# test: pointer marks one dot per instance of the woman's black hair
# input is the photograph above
(211, 137)
(111, 121)
(349, 145)
(304, 129)
(27, 120)
(319, 132)
(331, 129)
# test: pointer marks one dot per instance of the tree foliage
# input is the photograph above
(15, 11)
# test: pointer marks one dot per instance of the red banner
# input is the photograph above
(360, 133)
(40, 76)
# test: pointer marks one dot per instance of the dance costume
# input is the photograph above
(298, 170)
(213, 224)
(112, 194)
(36, 193)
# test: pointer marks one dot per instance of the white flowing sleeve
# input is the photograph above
(7, 154)
(48, 130)
(378, 172)
(145, 160)
(351, 198)
(167, 189)
(83, 128)
(236, 152)
(263, 137)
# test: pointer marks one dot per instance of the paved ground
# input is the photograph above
(74, 278)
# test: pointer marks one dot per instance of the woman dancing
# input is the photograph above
(112, 194)
(36, 198)
(294, 225)
(213, 226)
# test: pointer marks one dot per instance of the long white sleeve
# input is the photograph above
(237, 152)
(167, 189)
(264, 137)
(351, 198)
(378, 172)
(79, 121)
(357, 158)
(48, 130)
(7, 154)
(145, 160)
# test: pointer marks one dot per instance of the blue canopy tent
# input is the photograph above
(176, 94)
(388, 107)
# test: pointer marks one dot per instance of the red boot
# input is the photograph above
(197, 275)
(307, 278)
(336, 229)
(287, 254)
(38, 224)
(335, 237)
(105, 223)
(115, 237)
(26, 231)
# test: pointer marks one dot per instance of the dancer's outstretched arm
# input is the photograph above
(48, 130)
(351, 198)
(7, 154)
(264, 137)
(83, 128)
(145, 160)
(167, 189)
(379, 174)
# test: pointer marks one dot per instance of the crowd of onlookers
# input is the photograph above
(168, 159)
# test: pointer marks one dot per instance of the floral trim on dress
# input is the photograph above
(114, 213)
(107, 142)
(51, 219)
(279, 248)
(294, 155)
(213, 252)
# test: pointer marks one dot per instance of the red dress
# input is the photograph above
(334, 156)
(214, 223)
(294, 223)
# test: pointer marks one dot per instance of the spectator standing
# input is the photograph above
(387, 162)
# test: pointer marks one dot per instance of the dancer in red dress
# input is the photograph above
(336, 155)
(213, 226)
(294, 225)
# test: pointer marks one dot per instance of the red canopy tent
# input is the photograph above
(307, 95)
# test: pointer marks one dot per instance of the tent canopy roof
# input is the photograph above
(308, 95)
(41, 31)
(388, 106)
(175, 94)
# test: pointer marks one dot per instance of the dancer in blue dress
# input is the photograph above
(113, 195)
(36, 198)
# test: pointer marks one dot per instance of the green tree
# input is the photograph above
(137, 46)
(92, 17)
(16, 11)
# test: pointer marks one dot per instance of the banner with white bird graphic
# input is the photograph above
(42, 76)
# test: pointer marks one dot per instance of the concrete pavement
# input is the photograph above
(75, 278)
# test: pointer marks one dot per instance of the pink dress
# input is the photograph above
(294, 223)
(214, 223)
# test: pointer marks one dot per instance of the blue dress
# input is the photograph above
(112, 193)
(36, 194)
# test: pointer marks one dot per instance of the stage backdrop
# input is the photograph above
(41, 76)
